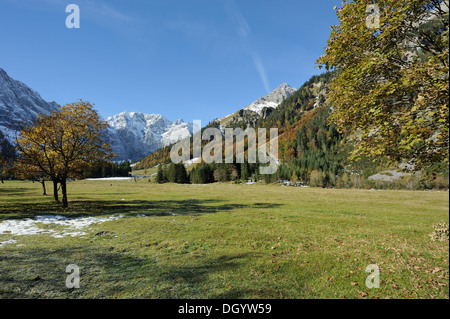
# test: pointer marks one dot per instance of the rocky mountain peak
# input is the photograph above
(260, 107)
(19, 104)
(134, 135)
(272, 100)
(276, 96)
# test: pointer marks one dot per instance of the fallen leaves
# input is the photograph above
(362, 294)
(436, 270)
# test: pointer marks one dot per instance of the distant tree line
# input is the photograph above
(204, 173)
(173, 173)
(108, 169)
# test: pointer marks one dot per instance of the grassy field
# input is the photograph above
(227, 241)
(145, 172)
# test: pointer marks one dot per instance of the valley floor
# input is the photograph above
(144, 240)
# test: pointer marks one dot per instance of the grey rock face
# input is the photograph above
(265, 112)
(134, 135)
(19, 104)
(273, 99)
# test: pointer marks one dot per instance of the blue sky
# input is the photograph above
(189, 59)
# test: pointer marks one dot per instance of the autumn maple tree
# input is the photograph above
(391, 90)
(64, 143)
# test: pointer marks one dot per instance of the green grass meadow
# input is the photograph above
(227, 241)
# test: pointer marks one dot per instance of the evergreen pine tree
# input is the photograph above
(244, 172)
(180, 174)
(171, 173)
(160, 175)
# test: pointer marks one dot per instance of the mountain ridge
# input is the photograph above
(132, 135)
(259, 108)
(19, 104)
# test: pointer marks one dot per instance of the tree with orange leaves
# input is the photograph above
(62, 144)
(391, 90)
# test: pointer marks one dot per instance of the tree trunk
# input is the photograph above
(44, 190)
(55, 190)
(64, 193)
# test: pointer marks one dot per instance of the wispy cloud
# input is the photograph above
(244, 31)
(261, 70)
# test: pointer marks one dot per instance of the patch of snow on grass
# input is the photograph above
(67, 226)
(11, 241)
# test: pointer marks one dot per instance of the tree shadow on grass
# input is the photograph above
(14, 191)
(41, 273)
(80, 208)
(109, 273)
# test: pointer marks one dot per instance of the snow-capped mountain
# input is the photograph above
(260, 107)
(134, 135)
(19, 104)
(131, 135)
(272, 100)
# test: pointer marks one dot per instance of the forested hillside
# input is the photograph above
(311, 150)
